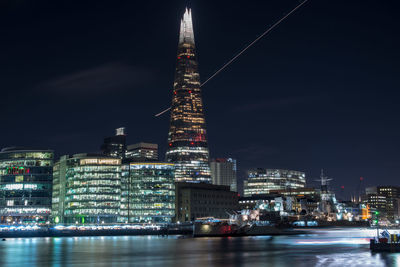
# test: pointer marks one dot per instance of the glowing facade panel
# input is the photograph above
(148, 193)
(141, 152)
(262, 181)
(187, 141)
(87, 189)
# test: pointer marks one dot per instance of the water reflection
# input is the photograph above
(350, 259)
(342, 247)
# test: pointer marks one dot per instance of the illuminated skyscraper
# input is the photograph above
(187, 141)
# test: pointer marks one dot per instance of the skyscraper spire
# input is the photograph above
(187, 141)
(186, 35)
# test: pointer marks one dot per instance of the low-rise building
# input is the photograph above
(262, 181)
(300, 200)
(199, 200)
(250, 203)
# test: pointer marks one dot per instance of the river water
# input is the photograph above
(320, 247)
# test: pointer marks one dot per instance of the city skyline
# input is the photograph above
(205, 133)
(346, 129)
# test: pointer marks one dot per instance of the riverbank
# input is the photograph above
(124, 230)
(115, 232)
(320, 247)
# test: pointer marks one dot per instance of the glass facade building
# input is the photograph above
(224, 172)
(187, 141)
(142, 152)
(262, 181)
(115, 146)
(148, 193)
(58, 195)
(385, 199)
(87, 189)
(25, 185)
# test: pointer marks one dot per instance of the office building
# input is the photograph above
(87, 189)
(148, 194)
(392, 195)
(187, 140)
(115, 146)
(25, 185)
(224, 172)
(262, 181)
(199, 200)
(384, 199)
(377, 202)
(142, 152)
(58, 194)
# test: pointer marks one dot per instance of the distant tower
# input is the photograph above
(115, 146)
(187, 141)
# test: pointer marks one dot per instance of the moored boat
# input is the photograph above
(386, 242)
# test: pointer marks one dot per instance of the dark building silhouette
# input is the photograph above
(199, 200)
(115, 146)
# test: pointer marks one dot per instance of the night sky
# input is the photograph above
(320, 91)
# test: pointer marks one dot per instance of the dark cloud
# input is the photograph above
(106, 78)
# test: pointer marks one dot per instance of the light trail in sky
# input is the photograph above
(245, 49)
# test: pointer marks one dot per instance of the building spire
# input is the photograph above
(186, 34)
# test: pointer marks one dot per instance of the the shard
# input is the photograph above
(187, 141)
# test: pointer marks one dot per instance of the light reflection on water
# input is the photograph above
(339, 247)
(350, 259)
